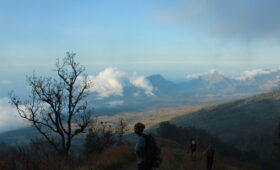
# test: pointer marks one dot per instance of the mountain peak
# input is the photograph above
(156, 77)
(213, 76)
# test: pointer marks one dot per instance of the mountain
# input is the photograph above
(19, 136)
(161, 85)
(258, 80)
(212, 82)
(132, 93)
(249, 124)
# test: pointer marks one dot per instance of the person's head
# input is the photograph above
(210, 146)
(139, 128)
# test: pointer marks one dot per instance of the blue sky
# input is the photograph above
(170, 37)
(142, 33)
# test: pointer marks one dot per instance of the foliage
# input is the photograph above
(99, 137)
(121, 129)
(103, 135)
(38, 154)
(117, 157)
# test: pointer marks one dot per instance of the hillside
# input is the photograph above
(172, 141)
(150, 117)
(175, 157)
(249, 124)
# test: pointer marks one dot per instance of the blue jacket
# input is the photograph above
(139, 149)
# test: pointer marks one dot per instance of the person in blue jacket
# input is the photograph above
(140, 147)
(209, 153)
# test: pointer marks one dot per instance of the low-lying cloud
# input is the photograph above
(9, 118)
(115, 103)
(251, 74)
(112, 81)
(5, 82)
(142, 83)
(198, 75)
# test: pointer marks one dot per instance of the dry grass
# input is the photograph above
(114, 158)
(174, 157)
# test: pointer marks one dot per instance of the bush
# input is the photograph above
(112, 158)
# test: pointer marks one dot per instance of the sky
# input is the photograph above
(140, 32)
(130, 39)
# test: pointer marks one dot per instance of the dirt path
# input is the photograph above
(187, 163)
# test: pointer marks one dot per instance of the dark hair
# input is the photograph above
(139, 127)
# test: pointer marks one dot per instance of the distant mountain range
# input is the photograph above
(199, 89)
(115, 91)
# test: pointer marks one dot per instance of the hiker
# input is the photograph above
(140, 147)
(193, 146)
(146, 149)
(209, 153)
(193, 149)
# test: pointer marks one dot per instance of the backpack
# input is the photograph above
(152, 153)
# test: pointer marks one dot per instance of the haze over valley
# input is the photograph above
(116, 91)
(76, 76)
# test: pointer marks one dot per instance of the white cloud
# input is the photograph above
(251, 74)
(194, 76)
(271, 84)
(6, 82)
(111, 82)
(142, 83)
(9, 118)
(115, 103)
(197, 75)
(108, 83)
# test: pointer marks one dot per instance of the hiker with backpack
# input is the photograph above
(209, 153)
(146, 149)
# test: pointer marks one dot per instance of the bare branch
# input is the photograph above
(55, 106)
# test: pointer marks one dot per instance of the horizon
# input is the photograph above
(136, 39)
(17, 82)
(209, 67)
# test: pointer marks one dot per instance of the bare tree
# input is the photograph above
(57, 107)
(121, 129)
(99, 137)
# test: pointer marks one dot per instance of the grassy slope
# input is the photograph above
(248, 124)
(174, 156)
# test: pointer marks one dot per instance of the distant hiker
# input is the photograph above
(146, 149)
(193, 149)
(209, 153)
(192, 146)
